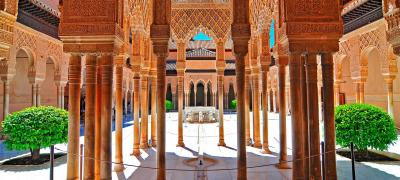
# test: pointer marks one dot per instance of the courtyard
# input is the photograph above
(202, 140)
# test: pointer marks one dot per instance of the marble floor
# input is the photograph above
(202, 139)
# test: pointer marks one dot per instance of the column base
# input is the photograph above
(248, 142)
(257, 145)
(180, 144)
(144, 146)
(221, 143)
(283, 165)
(136, 152)
(153, 143)
(266, 150)
(119, 167)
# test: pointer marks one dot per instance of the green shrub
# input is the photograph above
(365, 125)
(233, 104)
(34, 128)
(168, 105)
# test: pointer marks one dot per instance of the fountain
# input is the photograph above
(200, 114)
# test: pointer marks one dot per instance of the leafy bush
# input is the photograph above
(365, 125)
(168, 105)
(34, 128)
(233, 104)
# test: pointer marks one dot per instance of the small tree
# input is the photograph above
(34, 128)
(168, 105)
(365, 125)
(233, 104)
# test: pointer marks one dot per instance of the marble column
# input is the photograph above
(256, 109)
(337, 93)
(74, 79)
(274, 100)
(362, 95)
(58, 86)
(195, 96)
(153, 109)
(145, 111)
(35, 92)
(241, 119)
(119, 114)
(282, 62)
(313, 119)
(90, 110)
(162, 52)
(265, 96)
(97, 123)
(107, 69)
(297, 124)
(220, 81)
(180, 110)
(205, 97)
(136, 138)
(304, 117)
(390, 105)
(62, 96)
(6, 100)
(329, 116)
(247, 105)
(126, 102)
(357, 92)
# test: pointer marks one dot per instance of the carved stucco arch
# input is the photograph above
(199, 29)
(215, 20)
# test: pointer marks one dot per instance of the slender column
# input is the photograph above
(136, 139)
(362, 96)
(283, 60)
(220, 79)
(118, 113)
(205, 97)
(241, 124)
(126, 102)
(195, 95)
(58, 86)
(91, 61)
(62, 96)
(174, 100)
(329, 116)
(313, 119)
(274, 100)
(106, 106)
(97, 124)
(161, 58)
(153, 109)
(265, 96)
(297, 124)
(256, 111)
(38, 103)
(180, 111)
(247, 105)
(389, 83)
(74, 78)
(6, 100)
(304, 117)
(337, 93)
(145, 112)
(34, 92)
(357, 92)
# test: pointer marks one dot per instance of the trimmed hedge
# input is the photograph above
(234, 104)
(365, 125)
(36, 127)
(168, 105)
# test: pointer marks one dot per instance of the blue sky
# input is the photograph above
(203, 37)
(272, 34)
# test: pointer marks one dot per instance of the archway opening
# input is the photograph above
(200, 94)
